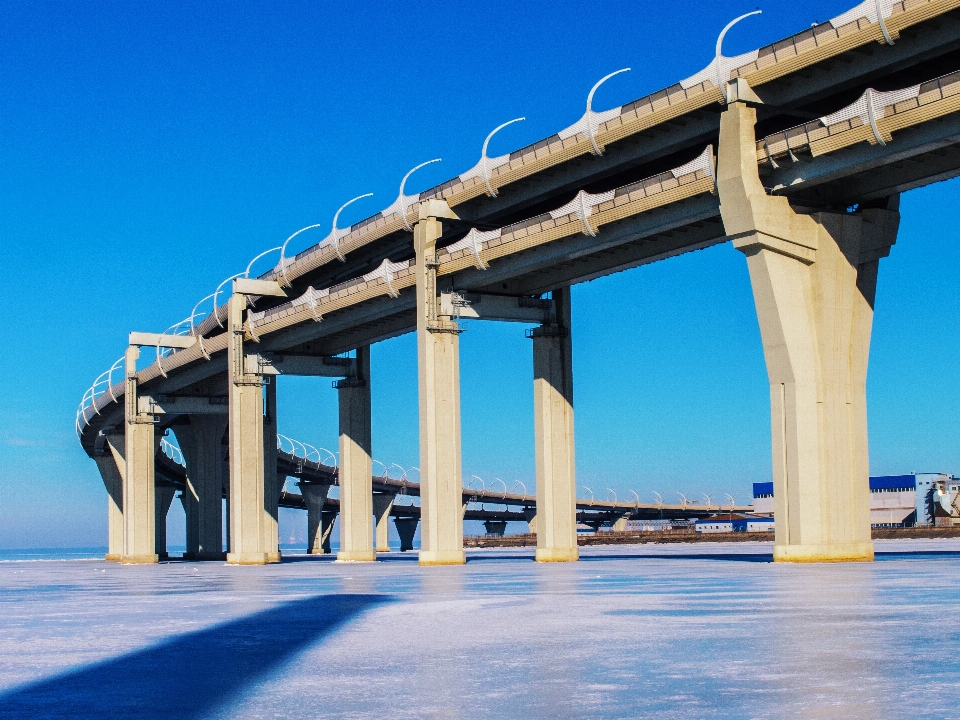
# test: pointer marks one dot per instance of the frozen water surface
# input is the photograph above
(678, 631)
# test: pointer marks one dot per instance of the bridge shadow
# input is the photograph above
(190, 675)
(914, 554)
(727, 557)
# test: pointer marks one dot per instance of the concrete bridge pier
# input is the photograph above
(315, 495)
(112, 465)
(382, 504)
(556, 521)
(406, 529)
(356, 465)
(814, 279)
(162, 501)
(247, 503)
(438, 354)
(327, 520)
(272, 482)
(530, 515)
(139, 495)
(202, 445)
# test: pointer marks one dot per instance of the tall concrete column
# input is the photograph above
(382, 504)
(139, 515)
(356, 465)
(247, 505)
(314, 495)
(814, 279)
(112, 465)
(271, 478)
(162, 501)
(556, 518)
(438, 354)
(203, 450)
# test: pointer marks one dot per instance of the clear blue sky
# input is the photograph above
(148, 150)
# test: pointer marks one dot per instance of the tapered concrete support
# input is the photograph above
(272, 482)
(139, 515)
(162, 501)
(247, 504)
(327, 520)
(406, 529)
(496, 528)
(621, 523)
(553, 436)
(315, 495)
(356, 466)
(382, 504)
(202, 445)
(814, 279)
(438, 354)
(530, 515)
(112, 465)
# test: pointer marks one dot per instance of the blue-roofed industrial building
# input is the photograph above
(895, 500)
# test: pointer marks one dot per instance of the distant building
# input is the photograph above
(733, 523)
(895, 500)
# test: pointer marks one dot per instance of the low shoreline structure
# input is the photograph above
(687, 536)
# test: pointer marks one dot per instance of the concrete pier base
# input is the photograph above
(556, 515)
(356, 465)
(814, 280)
(438, 354)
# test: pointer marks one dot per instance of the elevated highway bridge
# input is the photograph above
(796, 153)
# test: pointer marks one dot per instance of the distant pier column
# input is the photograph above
(164, 497)
(356, 465)
(382, 504)
(438, 353)
(530, 515)
(139, 514)
(406, 529)
(112, 465)
(202, 445)
(814, 280)
(315, 496)
(327, 520)
(556, 515)
(271, 477)
(247, 505)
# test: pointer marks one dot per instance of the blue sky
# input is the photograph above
(149, 150)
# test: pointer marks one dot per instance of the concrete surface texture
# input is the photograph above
(712, 630)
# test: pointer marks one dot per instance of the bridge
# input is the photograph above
(316, 477)
(796, 152)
